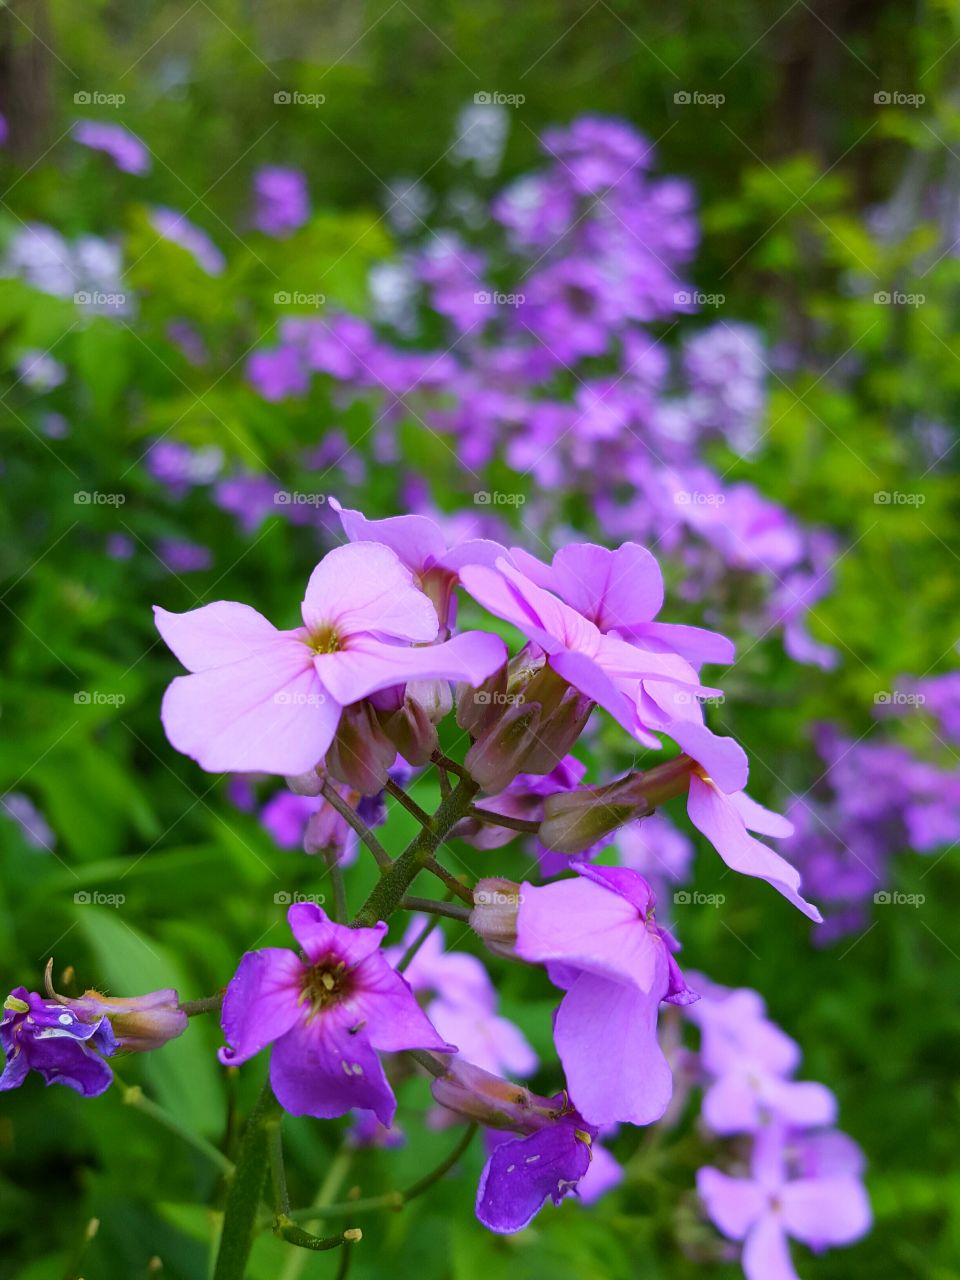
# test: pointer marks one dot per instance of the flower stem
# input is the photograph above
(283, 1225)
(394, 789)
(394, 1200)
(453, 884)
(501, 820)
(133, 1096)
(208, 1004)
(353, 819)
(452, 910)
(246, 1187)
(393, 884)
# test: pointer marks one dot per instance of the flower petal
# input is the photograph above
(615, 589)
(321, 1069)
(732, 1204)
(260, 1003)
(370, 665)
(393, 1020)
(216, 634)
(826, 1211)
(362, 587)
(766, 1254)
(319, 936)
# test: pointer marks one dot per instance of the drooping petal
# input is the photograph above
(586, 926)
(260, 1003)
(732, 1204)
(491, 589)
(416, 540)
(606, 1036)
(370, 664)
(268, 712)
(713, 816)
(696, 644)
(385, 1003)
(522, 1172)
(722, 758)
(766, 1253)
(319, 936)
(216, 634)
(590, 678)
(320, 1068)
(826, 1211)
(362, 587)
(756, 818)
(73, 1063)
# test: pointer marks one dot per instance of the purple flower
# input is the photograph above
(282, 202)
(767, 1208)
(522, 1172)
(180, 556)
(263, 699)
(180, 230)
(123, 147)
(328, 1013)
(19, 808)
(597, 936)
(277, 373)
(42, 1035)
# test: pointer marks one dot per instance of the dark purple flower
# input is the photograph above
(42, 1035)
(522, 1172)
(328, 1012)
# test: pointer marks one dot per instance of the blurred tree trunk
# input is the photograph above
(26, 76)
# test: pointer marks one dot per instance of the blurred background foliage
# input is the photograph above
(789, 174)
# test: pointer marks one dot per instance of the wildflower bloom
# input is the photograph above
(522, 1172)
(604, 667)
(597, 935)
(327, 1013)
(262, 699)
(282, 202)
(123, 147)
(40, 1034)
(826, 1209)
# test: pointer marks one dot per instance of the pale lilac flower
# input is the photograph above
(282, 201)
(597, 936)
(328, 1013)
(123, 147)
(263, 699)
(177, 228)
(769, 1207)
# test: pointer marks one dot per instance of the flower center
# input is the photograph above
(324, 984)
(325, 640)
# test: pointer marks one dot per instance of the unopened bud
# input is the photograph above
(139, 1023)
(497, 757)
(494, 915)
(361, 753)
(558, 732)
(472, 1092)
(305, 784)
(478, 708)
(412, 731)
(434, 696)
(575, 820)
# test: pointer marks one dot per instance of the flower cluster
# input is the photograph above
(799, 1177)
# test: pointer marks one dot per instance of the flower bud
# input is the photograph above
(496, 758)
(575, 820)
(361, 753)
(494, 915)
(435, 697)
(494, 1102)
(558, 732)
(478, 708)
(412, 731)
(139, 1022)
(306, 784)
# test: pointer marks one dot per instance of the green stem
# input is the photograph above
(133, 1096)
(393, 884)
(492, 819)
(209, 1004)
(451, 910)
(283, 1225)
(353, 819)
(329, 1188)
(455, 886)
(417, 943)
(243, 1198)
(392, 1199)
(394, 789)
(340, 909)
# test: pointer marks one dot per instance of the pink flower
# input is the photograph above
(260, 699)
